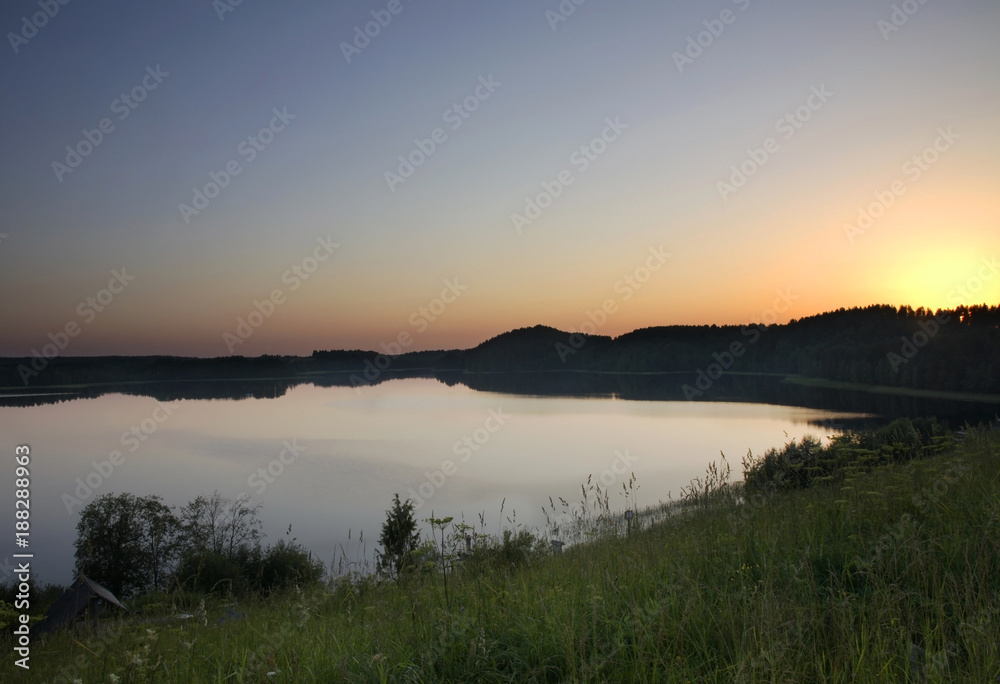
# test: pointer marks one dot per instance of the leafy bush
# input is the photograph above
(801, 464)
(8, 617)
(288, 563)
(507, 553)
(209, 572)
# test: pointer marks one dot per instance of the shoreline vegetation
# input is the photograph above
(874, 557)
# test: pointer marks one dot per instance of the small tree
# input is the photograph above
(221, 548)
(399, 539)
(442, 523)
(221, 525)
(125, 542)
(162, 538)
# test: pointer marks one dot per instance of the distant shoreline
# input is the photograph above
(305, 378)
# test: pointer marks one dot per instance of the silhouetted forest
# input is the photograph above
(937, 351)
(956, 351)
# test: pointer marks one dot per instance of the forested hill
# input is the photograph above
(956, 350)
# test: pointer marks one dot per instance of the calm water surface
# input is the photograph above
(355, 449)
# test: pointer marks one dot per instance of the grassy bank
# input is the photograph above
(888, 575)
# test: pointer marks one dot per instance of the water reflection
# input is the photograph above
(455, 450)
(872, 409)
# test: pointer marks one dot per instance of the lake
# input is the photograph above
(327, 460)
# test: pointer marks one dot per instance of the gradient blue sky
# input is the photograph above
(655, 186)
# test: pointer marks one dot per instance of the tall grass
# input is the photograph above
(890, 573)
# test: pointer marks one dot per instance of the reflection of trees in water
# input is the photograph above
(761, 389)
(164, 391)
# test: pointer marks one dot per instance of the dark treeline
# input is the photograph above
(944, 351)
(956, 351)
(80, 370)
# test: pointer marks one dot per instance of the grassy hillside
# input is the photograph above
(887, 574)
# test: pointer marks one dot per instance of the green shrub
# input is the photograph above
(208, 572)
(509, 552)
(798, 464)
(8, 617)
(288, 563)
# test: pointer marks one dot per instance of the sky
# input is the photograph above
(208, 178)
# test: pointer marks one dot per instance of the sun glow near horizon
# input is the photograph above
(903, 143)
